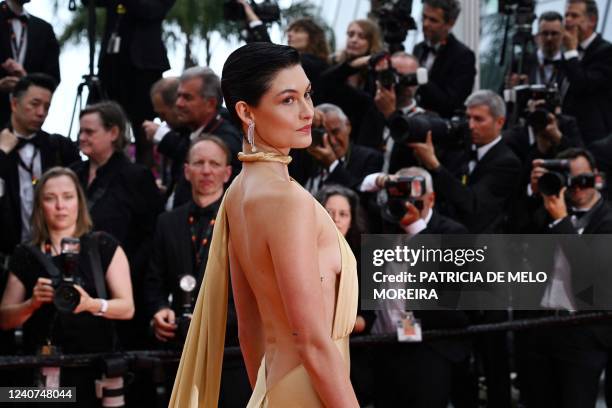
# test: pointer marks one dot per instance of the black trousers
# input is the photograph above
(410, 376)
(562, 366)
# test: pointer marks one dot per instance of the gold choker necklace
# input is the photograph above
(265, 157)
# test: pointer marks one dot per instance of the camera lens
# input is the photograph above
(551, 183)
(66, 298)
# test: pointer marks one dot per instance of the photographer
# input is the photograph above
(336, 159)
(477, 191)
(451, 65)
(429, 381)
(179, 257)
(571, 358)
(31, 298)
(31, 37)
(587, 65)
(133, 57)
(544, 67)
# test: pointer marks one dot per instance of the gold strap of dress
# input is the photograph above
(264, 157)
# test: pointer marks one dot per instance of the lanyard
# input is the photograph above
(17, 46)
(200, 247)
(29, 168)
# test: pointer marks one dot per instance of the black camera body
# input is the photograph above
(538, 119)
(401, 190)
(390, 78)
(184, 303)
(395, 20)
(413, 129)
(317, 135)
(558, 176)
(66, 298)
(267, 11)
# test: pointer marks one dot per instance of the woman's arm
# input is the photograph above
(14, 311)
(250, 333)
(121, 303)
(292, 239)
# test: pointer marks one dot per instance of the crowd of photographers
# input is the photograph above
(107, 254)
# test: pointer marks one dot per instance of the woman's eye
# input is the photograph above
(288, 100)
(308, 95)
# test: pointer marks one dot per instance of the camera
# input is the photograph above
(66, 297)
(538, 119)
(556, 178)
(398, 192)
(267, 11)
(186, 300)
(395, 20)
(390, 78)
(524, 11)
(413, 129)
(317, 135)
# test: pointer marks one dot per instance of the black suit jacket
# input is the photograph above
(42, 53)
(589, 96)
(451, 78)
(481, 204)
(359, 162)
(172, 257)
(140, 31)
(55, 150)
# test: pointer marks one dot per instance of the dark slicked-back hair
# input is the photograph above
(35, 79)
(591, 7)
(451, 8)
(550, 16)
(248, 72)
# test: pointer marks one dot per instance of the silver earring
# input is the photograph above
(251, 136)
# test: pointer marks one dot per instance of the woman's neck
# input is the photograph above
(280, 169)
(56, 236)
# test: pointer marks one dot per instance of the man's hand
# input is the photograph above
(150, 128)
(164, 324)
(570, 38)
(535, 175)
(324, 154)
(360, 62)
(360, 324)
(550, 136)
(412, 214)
(555, 205)
(385, 100)
(14, 68)
(8, 141)
(514, 79)
(7, 84)
(425, 153)
(249, 12)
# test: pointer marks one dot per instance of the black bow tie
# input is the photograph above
(550, 61)
(428, 49)
(578, 213)
(10, 14)
(34, 140)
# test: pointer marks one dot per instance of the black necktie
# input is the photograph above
(473, 154)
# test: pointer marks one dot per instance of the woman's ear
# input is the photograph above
(244, 112)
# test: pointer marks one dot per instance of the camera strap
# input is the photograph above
(44, 260)
(96, 265)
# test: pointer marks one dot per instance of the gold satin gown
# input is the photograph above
(199, 374)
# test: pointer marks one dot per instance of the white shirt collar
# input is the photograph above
(428, 216)
(541, 56)
(409, 108)
(585, 44)
(482, 150)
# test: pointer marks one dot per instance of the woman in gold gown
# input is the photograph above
(293, 275)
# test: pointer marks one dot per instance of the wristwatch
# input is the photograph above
(103, 307)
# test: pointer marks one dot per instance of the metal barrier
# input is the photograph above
(147, 357)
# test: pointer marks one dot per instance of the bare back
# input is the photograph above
(256, 206)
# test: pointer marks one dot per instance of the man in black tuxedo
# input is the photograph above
(563, 365)
(419, 374)
(587, 65)
(26, 152)
(181, 245)
(132, 57)
(336, 159)
(543, 68)
(27, 44)
(451, 65)
(478, 189)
